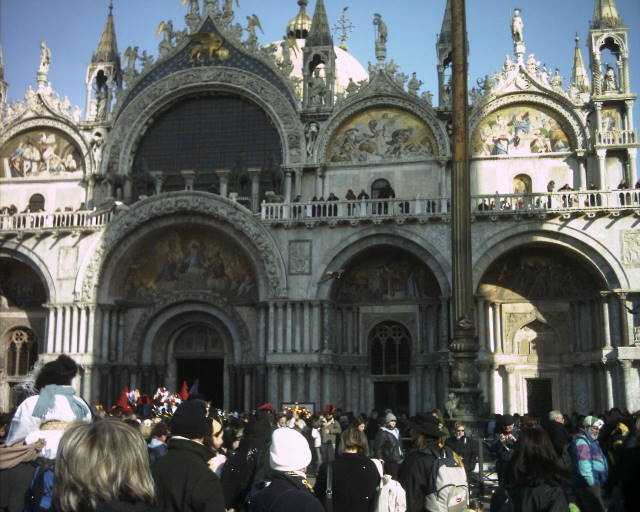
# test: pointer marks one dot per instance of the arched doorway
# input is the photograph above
(199, 353)
(390, 346)
(543, 310)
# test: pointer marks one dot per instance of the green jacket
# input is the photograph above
(184, 481)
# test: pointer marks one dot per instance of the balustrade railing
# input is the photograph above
(615, 137)
(54, 220)
(355, 209)
(556, 201)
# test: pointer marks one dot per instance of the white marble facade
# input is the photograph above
(148, 279)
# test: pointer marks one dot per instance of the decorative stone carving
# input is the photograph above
(67, 261)
(44, 102)
(300, 257)
(368, 97)
(173, 204)
(631, 247)
(131, 121)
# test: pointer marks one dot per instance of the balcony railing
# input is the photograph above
(556, 202)
(355, 209)
(615, 137)
(52, 221)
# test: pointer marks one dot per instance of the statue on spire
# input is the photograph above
(517, 27)
(45, 59)
(382, 36)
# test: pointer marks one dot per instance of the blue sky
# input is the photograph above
(72, 28)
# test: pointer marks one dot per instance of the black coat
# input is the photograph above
(355, 480)
(184, 481)
(387, 447)
(558, 435)
(284, 492)
(123, 506)
(467, 449)
(415, 477)
(541, 498)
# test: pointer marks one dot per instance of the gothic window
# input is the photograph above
(390, 349)
(36, 203)
(22, 352)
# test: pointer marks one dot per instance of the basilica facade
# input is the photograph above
(275, 221)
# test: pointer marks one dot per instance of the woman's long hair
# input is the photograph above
(534, 461)
(102, 462)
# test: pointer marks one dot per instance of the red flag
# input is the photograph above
(184, 392)
(123, 401)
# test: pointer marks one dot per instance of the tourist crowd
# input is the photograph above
(176, 453)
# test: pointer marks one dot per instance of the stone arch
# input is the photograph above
(198, 207)
(351, 247)
(63, 126)
(410, 105)
(23, 254)
(590, 250)
(130, 124)
(617, 40)
(570, 121)
(149, 325)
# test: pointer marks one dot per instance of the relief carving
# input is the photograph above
(300, 257)
(631, 247)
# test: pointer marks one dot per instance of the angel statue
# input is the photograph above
(194, 6)
(382, 35)
(252, 40)
(227, 10)
(517, 27)
(166, 29)
(131, 55)
(45, 58)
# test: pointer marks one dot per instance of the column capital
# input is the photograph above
(223, 174)
(580, 153)
(633, 152)
(254, 172)
(509, 368)
(625, 364)
(602, 153)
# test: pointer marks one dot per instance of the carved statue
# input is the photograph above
(609, 79)
(45, 58)
(428, 97)
(208, 43)
(414, 84)
(451, 405)
(517, 27)
(194, 7)
(166, 29)
(96, 149)
(311, 134)
(131, 55)
(101, 103)
(146, 60)
(382, 35)
(317, 90)
(227, 10)
(252, 22)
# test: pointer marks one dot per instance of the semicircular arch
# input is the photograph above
(554, 106)
(25, 255)
(164, 210)
(339, 258)
(413, 108)
(132, 121)
(589, 250)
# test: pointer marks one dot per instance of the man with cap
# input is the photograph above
(589, 465)
(184, 481)
(504, 441)
(330, 429)
(415, 471)
(287, 490)
(387, 445)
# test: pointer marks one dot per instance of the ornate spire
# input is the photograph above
(579, 76)
(1, 64)
(444, 38)
(320, 34)
(107, 47)
(299, 26)
(605, 15)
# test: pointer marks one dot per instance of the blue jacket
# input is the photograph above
(589, 465)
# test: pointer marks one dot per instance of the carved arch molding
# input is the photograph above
(130, 124)
(425, 113)
(176, 204)
(47, 122)
(570, 119)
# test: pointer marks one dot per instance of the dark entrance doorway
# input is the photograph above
(392, 395)
(539, 397)
(210, 375)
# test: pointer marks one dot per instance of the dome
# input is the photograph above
(299, 26)
(347, 66)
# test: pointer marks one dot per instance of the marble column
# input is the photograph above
(498, 391)
(319, 182)
(510, 372)
(59, 328)
(287, 185)
(443, 323)
(482, 330)
(606, 322)
(306, 329)
(288, 326)
(624, 319)
(630, 379)
(497, 326)
(66, 342)
(82, 335)
(51, 328)
(327, 384)
(248, 405)
(326, 328)
(602, 169)
(633, 165)
(608, 385)
(189, 176)
(581, 181)
(314, 386)
(444, 375)
(300, 388)
(223, 177)
(272, 384)
(271, 332)
(91, 330)
(254, 174)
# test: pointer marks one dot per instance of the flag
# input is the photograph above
(193, 390)
(123, 401)
(184, 392)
